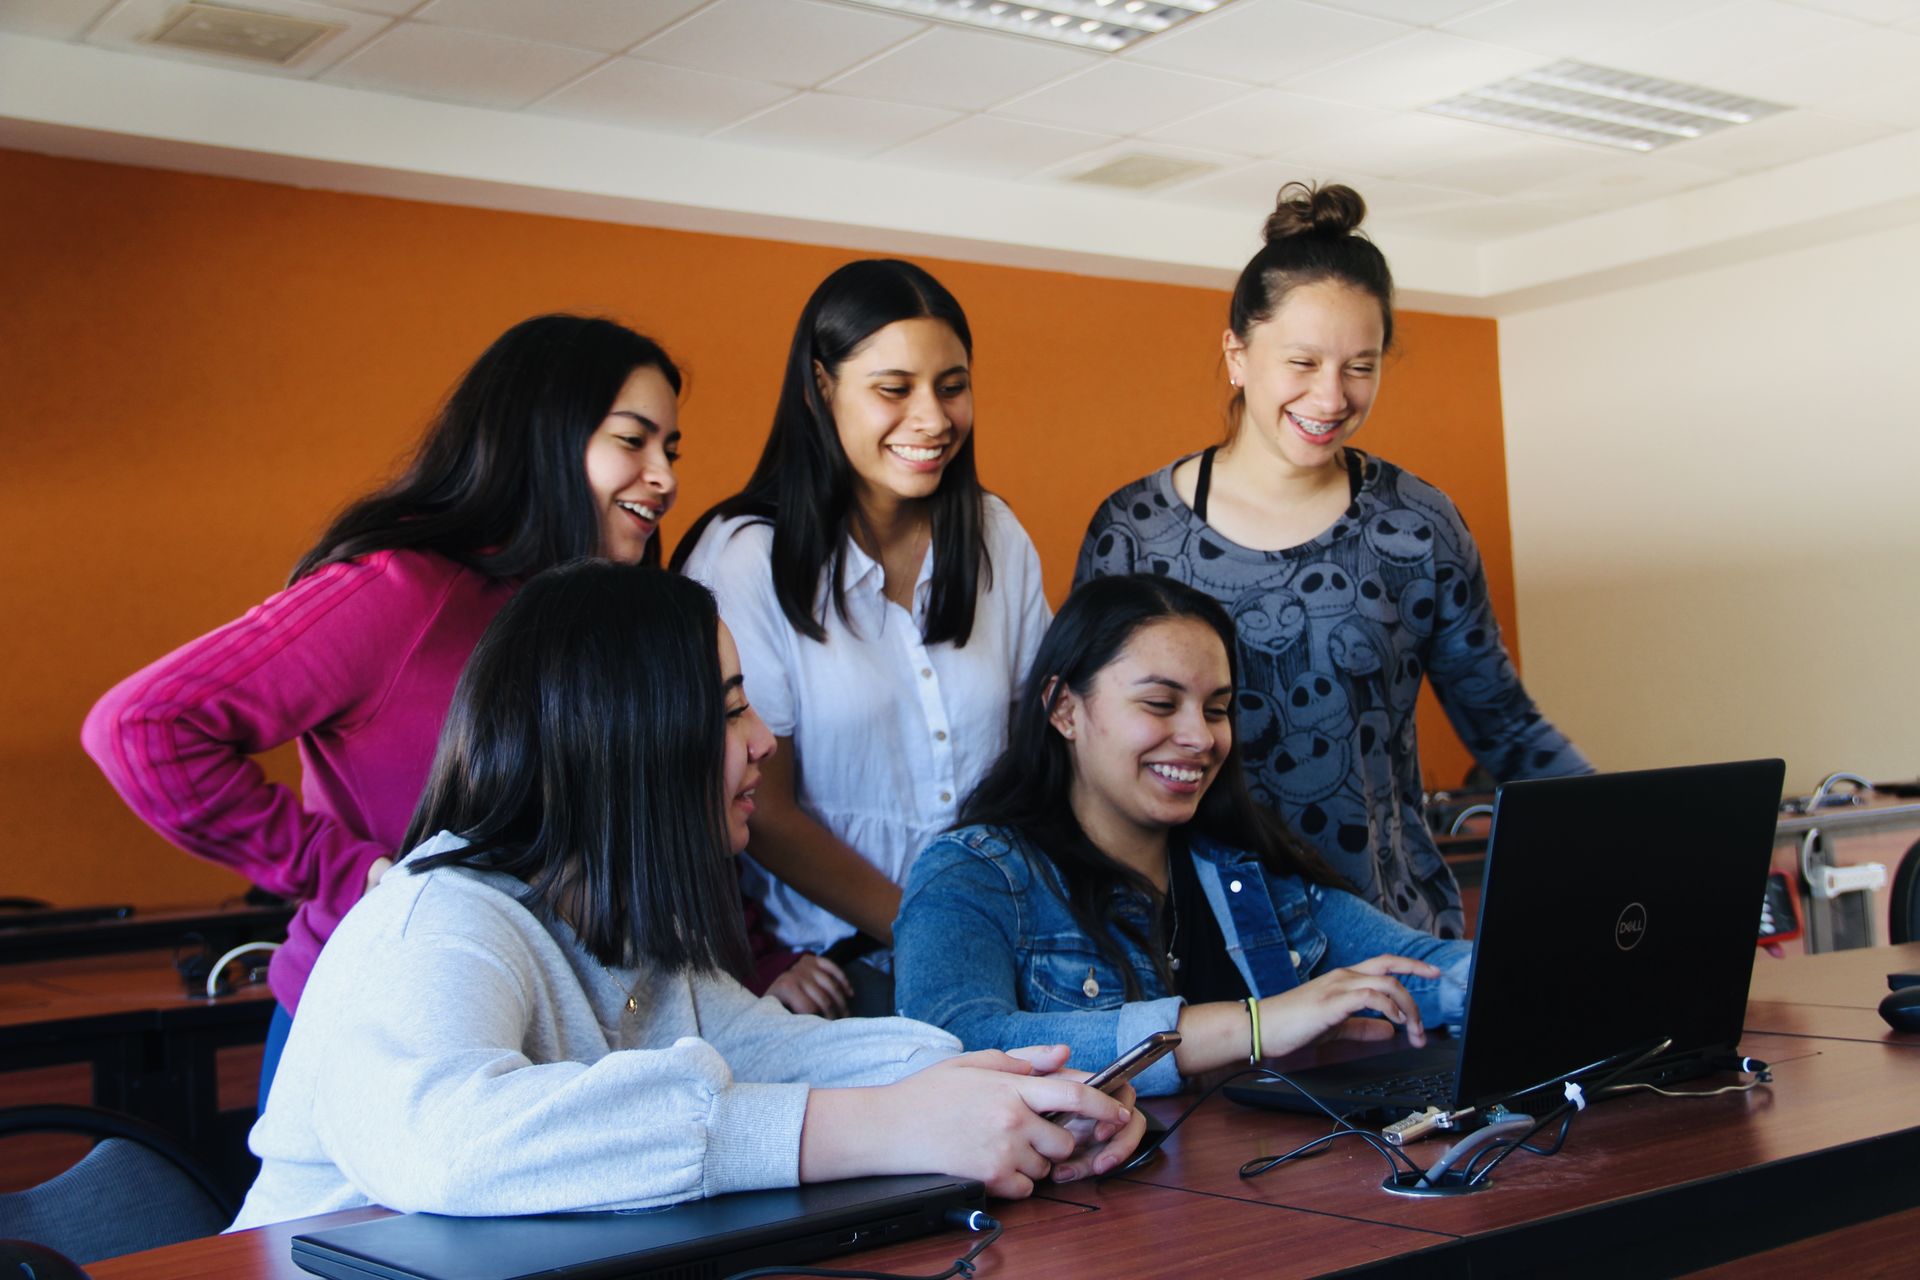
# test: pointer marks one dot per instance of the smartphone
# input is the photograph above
(1109, 1078)
(1134, 1061)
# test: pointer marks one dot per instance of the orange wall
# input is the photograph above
(197, 371)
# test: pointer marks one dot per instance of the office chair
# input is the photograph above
(137, 1189)
(1903, 904)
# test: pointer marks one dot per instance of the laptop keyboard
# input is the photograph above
(1435, 1088)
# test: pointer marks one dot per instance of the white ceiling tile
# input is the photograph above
(1614, 183)
(1402, 144)
(1895, 102)
(1832, 72)
(1264, 41)
(1707, 47)
(1213, 160)
(1419, 13)
(1482, 222)
(1266, 123)
(1573, 28)
(611, 25)
(794, 42)
(651, 95)
(1119, 97)
(1882, 11)
(828, 122)
(391, 8)
(461, 66)
(1774, 141)
(1248, 190)
(1254, 186)
(965, 70)
(993, 147)
(1523, 163)
(1414, 71)
(127, 27)
(1387, 199)
(50, 19)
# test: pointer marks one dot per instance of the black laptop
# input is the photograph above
(696, 1240)
(1617, 910)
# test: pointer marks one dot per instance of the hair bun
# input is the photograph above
(1302, 209)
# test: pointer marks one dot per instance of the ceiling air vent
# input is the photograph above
(1140, 171)
(241, 33)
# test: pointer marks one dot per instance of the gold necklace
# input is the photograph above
(1173, 909)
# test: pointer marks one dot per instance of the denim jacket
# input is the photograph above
(986, 947)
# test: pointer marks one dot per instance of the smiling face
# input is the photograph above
(1310, 373)
(748, 743)
(630, 459)
(902, 404)
(1149, 737)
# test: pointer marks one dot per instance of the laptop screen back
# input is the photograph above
(1618, 909)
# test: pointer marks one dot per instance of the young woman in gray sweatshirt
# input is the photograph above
(536, 1011)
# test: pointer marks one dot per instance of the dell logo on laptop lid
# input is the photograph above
(1630, 927)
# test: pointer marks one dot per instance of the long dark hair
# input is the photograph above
(803, 482)
(1028, 788)
(499, 481)
(1313, 234)
(584, 754)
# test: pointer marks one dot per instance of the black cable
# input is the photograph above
(1566, 1110)
(972, 1219)
(1305, 1151)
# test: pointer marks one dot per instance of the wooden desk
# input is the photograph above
(148, 1048)
(1646, 1185)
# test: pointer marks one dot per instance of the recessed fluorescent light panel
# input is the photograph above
(1106, 25)
(1612, 108)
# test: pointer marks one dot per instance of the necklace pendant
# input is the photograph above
(633, 1006)
(1173, 963)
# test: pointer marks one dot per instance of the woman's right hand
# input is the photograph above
(813, 984)
(1326, 1007)
(979, 1115)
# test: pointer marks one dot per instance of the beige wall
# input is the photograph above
(1715, 499)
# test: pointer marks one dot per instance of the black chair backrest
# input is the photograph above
(1903, 904)
(137, 1189)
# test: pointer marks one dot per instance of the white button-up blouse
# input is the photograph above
(888, 733)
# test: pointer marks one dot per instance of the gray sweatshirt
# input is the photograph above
(457, 1054)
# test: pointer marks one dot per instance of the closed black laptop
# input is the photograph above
(698, 1240)
(1617, 909)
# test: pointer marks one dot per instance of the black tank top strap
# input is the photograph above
(1203, 481)
(1356, 473)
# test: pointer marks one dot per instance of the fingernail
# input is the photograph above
(1065, 1175)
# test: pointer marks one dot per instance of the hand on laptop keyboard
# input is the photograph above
(1329, 1006)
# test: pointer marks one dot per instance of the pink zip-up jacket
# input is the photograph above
(358, 662)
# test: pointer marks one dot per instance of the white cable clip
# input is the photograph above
(1575, 1096)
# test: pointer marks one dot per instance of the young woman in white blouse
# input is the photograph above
(883, 603)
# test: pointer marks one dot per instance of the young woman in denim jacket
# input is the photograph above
(1113, 878)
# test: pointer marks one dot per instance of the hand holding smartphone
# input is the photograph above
(1111, 1077)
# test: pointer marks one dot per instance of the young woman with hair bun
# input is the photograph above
(1349, 580)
